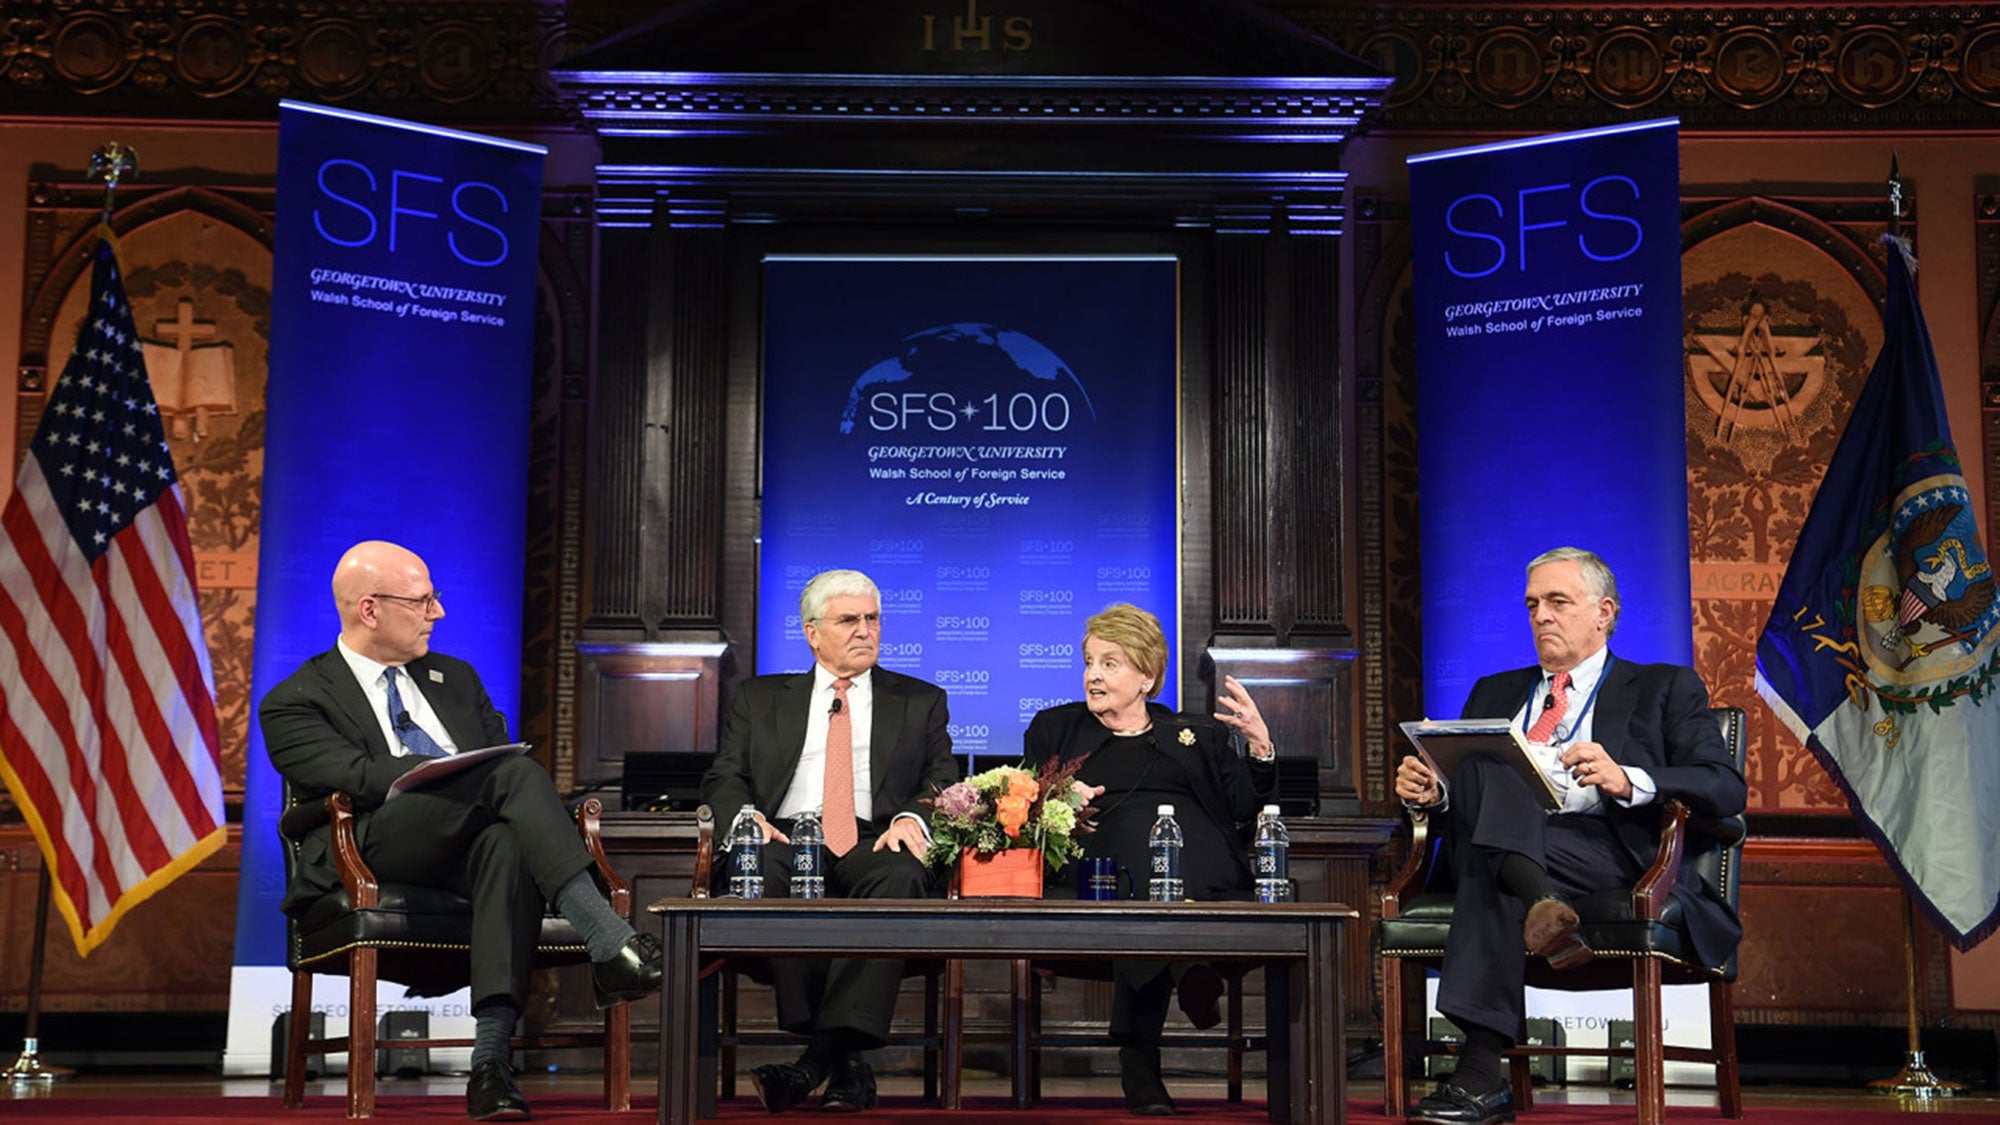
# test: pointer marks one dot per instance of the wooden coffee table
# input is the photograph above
(1298, 945)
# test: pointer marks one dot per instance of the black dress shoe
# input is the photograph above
(633, 973)
(1550, 931)
(851, 1086)
(780, 1086)
(1139, 1073)
(492, 1096)
(1200, 995)
(1451, 1105)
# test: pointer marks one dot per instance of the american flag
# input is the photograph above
(108, 737)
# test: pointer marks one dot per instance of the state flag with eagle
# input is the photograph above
(1883, 647)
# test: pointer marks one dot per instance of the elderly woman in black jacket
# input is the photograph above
(1138, 755)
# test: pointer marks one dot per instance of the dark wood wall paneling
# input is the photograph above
(704, 175)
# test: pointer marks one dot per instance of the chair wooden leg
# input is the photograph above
(726, 1053)
(1722, 1040)
(1523, 1081)
(1395, 1091)
(295, 1039)
(1235, 1026)
(1649, 1056)
(1026, 1028)
(361, 1032)
(933, 990)
(618, 1057)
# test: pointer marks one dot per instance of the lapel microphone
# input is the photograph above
(835, 709)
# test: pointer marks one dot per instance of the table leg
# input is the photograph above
(679, 1008)
(706, 1078)
(1326, 1035)
(954, 1032)
(1282, 1029)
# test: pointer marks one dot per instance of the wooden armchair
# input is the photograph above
(1638, 937)
(369, 930)
(937, 1013)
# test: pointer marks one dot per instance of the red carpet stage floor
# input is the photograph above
(580, 1110)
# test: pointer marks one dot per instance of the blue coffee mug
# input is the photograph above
(1097, 879)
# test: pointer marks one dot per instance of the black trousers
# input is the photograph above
(497, 834)
(1492, 813)
(855, 997)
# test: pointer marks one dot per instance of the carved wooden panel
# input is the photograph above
(1754, 461)
(171, 953)
(644, 698)
(1822, 937)
(1548, 66)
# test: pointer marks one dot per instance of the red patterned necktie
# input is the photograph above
(837, 796)
(1553, 711)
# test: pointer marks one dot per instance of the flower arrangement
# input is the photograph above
(1009, 807)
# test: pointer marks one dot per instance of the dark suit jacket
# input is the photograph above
(1229, 787)
(909, 749)
(1655, 717)
(322, 736)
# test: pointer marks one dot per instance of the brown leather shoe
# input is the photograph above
(1550, 932)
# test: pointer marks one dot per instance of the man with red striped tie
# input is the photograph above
(859, 745)
(1615, 739)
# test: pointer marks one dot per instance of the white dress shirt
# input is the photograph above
(1583, 683)
(373, 678)
(809, 780)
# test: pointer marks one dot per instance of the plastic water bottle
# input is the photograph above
(1166, 885)
(808, 876)
(746, 841)
(1272, 852)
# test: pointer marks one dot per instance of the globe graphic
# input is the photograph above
(975, 371)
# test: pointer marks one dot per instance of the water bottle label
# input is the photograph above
(1271, 864)
(805, 862)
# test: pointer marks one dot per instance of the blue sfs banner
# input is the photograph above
(402, 329)
(995, 442)
(1549, 400)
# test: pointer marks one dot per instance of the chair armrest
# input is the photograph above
(589, 818)
(1416, 866)
(704, 852)
(1649, 896)
(363, 891)
(299, 820)
(1727, 831)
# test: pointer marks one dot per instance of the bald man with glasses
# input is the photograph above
(376, 706)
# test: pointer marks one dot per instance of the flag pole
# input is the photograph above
(29, 1067)
(111, 163)
(1915, 1080)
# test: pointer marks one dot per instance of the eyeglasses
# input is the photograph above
(850, 620)
(424, 604)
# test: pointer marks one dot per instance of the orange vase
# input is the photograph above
(1014, 873)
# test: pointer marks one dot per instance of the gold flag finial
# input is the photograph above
(111, 164)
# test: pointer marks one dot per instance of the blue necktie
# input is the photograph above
(413, 736)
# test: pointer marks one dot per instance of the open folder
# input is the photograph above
(431, 769)
(1442, 743)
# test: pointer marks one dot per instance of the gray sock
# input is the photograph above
(601, 928)
(493, 1024)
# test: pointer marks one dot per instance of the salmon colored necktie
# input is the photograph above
(837, 796)
(1553, 711)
